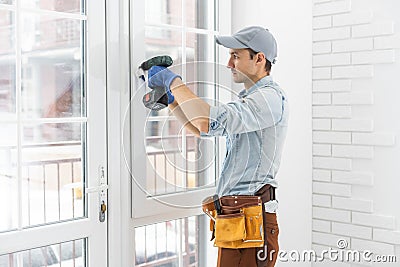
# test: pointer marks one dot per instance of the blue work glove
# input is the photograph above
(162, 77)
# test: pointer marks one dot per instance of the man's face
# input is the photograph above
(241, 65)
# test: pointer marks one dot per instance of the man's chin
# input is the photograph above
(236, 79)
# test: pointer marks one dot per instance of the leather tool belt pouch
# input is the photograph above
(238, 223)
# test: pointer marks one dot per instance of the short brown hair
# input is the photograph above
(268, 64)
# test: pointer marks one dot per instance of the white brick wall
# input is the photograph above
(332, 189)
(387, 42)
(350, 48)
(349, 45)
(329, 214)
(321, 73)
(376, 29)
(353, 98)
(328, 239)
(352, 230)
(321, 47)
(331, 112)
(331, 34)
(330, 137)
(356, 178)
(379, 221)
(322, 200)
(321, 150)
(332, 163)
(392, 237)
(361, 71)
(321, 98)
(333, 59)
(332, 8)
(321, 226)
(321, 175)
(328, 263)
(352, 18)
(375, 247)
(360, 125)
(349, 151)
(321, 124)
(332, 86)
(352, 204)
(369, 57)
(322, 22)
(377, 139)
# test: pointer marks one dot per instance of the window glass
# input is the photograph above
(69, 253)
(6, 2)
(176, 160)
(70, 6)
(52, 172)
(8, 176)
(51, 67)
(48, 86)
(158, 244)
(7, 65)
(200, 14)
(163, 12)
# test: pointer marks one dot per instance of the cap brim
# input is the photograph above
(230, 42)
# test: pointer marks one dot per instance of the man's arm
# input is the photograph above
(178, 113)
(194, 109)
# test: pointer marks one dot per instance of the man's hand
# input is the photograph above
(162, 77)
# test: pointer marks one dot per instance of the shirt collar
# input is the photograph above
(263, 82)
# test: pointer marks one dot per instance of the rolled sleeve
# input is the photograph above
(217, 121)
(259, 110)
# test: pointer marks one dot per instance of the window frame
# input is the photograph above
(156, 209)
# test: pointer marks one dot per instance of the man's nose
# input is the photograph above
(230, 64)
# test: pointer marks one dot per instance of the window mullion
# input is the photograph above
(18, 100)
(184, 143)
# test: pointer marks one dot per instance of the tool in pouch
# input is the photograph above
(156, 99)
(236, 221)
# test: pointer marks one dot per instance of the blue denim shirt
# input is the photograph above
(255, 128)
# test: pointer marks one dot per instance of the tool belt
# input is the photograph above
(238, 221)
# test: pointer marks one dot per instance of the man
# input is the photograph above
(254, 125)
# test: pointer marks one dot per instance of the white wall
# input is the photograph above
(355, 125)
(290, 22)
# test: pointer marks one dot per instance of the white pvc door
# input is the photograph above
(53, 165)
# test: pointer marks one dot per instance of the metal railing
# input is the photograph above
(52, 183)
(162, 248)
(164, 164)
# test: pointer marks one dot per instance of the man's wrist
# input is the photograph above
(177, 82)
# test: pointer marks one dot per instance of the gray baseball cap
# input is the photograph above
(257, 38)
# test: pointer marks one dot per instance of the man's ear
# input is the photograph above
(260, 57)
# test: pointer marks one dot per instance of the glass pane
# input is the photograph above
(158, 244)
(159, 41)
(52, 172)
(7, 65)
(4, 260)
(70, 6)
(164, 156)
(200, 69)
(200, 14)
(70, 253)
(51, 67)
(164, 12)
(8, 174)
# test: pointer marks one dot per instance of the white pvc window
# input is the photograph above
(184, 30)
(172, 169)
(42, 112)
(47, 129)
